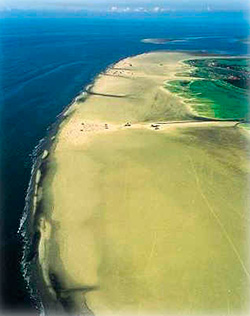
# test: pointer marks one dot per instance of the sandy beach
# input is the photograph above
(145, 206)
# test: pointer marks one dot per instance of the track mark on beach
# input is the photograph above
(228, 306)
(84, 289)
(220, 224)
(151, 251)
(108, 95)
(233, 209)
(117, 76)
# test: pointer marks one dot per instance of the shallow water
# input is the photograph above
(219, 90)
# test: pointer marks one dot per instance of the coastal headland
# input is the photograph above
(144, 201)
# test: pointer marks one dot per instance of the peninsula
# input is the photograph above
(145, 200)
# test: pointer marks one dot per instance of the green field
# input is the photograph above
(215, 87)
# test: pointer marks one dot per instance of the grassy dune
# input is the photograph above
(148, 221)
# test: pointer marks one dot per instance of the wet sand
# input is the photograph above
(148, 218)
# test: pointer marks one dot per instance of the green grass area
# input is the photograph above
(213, 98)
(220, 88)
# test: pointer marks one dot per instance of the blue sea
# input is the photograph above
(46, 60)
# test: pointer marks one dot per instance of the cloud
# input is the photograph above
(153, 6)
(156, 9)
(113, 9)
(120, 9)
(127, 9)
(138, 9)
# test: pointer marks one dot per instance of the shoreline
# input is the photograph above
(49, 145)
(29, 227)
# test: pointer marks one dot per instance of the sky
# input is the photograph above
(127, 5)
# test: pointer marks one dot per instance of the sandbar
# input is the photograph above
(146, 207)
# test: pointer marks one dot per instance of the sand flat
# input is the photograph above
(150, 221)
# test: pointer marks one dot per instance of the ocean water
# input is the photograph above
(46, 60)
